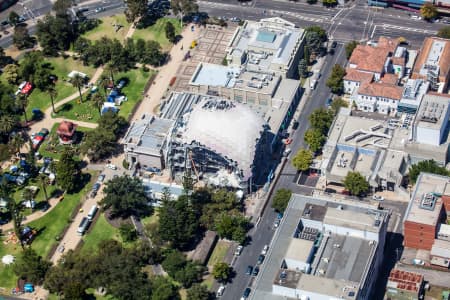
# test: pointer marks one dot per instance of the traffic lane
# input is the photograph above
(261, 236)
(297, 7)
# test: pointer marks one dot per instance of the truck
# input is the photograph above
(313, 81)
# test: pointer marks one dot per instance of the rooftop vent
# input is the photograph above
(428, 201)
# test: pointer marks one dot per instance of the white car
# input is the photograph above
(238, 250)
(220, 291)
(111, 166)
(264, 250)
(377, 198)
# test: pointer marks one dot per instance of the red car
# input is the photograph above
(27, 88)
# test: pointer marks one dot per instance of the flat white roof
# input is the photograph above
(299, 249)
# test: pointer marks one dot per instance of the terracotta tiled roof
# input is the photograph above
(444, 61)
(381, 90)
(358, 76)
(406, 280)
(389, 79)
(372, 59)
(66, 128)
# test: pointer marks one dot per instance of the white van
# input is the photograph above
(220, 291)
(92, 212)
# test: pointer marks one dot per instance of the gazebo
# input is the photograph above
(66, 132)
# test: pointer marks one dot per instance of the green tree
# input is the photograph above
(22, 99)
(444, 32)
(355, 183)
(170, 32)
(281, 199)
(16, 217)
(60, 7)
(68, 171)
(426, 166)
(321, 119)
(329, 3)
(302, 68)
(99, 144)
(55, 33)
(198, 292)
(315, 139)
(337, 104)
(336, 80)
(135, 10)
(16, 142)
(77, 82)
(349, 47)
(190, 274)
(173, 262)
(22, 39)
(302, 159)
(7, 123)
(163, 289)
(14, 18)
(98, 101)
(320, 32)
(222, 271)
(43, 179)
(126, 196)
(53, 93)
(31, 266)
(112, 69)
(28, 196)
(178, 222)
(183, 7)
(233, 227)
(128, 232)
(11, 73)
(428, 11)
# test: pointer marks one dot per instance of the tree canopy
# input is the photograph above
(355, 183)
(31, 266)
(349, 47)
(336, 80)
(428, 11)
(126, 196)
(222, 271)
(281, 199)
(68, 171)
(135, 10)
(184, 7)
(232, 227)
(302, 159)
(198, 292)
(426, 166)
(321, 119)
(444, 32)
(315, 139)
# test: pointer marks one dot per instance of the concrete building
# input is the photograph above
(444, 232)
(155, 190)
(324, 250)
(440, 253)
(432, 120)
(403, 285)
(269, 45)
(413, 93)
(424, 212)
(433, 63)
(378, 96)
(362, 145)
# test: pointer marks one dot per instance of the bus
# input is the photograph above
(5, 4)
(84, 224)
(92, 212)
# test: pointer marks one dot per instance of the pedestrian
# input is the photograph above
(181, 47)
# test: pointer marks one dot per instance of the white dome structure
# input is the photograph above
(228, 128)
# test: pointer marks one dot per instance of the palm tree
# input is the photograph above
(111, 68)
(27, 195)
(43, 179)
(16, 218)
(17, 142)
(53, 93)
(98, 101)
(23, 101)
(78, 82)
(104, 83)
(7, 123)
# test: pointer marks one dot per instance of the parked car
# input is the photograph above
(249, 270)
(377, 198)
(264, 250)
(238, 250)
(96, 186)
(276, 223)
(45, 207)
(246, 293)
(333, 45)
(93, 194)
(220, 291)
(295, 125)
(101, 178)
(111, 166)
(287, 151)
(255, 271)
(260, 259)
(329, 101)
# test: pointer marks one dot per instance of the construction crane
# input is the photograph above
(193, 165)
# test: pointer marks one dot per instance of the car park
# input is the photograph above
(260, 259)
(264, 250)
(255, 271)
(238, 250)
(249, 270)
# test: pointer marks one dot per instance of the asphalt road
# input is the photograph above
(263, 233)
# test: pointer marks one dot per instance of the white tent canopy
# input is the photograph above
(8, 259)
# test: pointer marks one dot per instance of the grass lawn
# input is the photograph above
(219, 253)
(51, 146)
(136, 78)
(157, 32)
(107, 29)
(61, 68)
(101, 231)
(154, 218)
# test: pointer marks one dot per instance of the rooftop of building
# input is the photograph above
(444, 228)
(353, 74)
(364, 221)
(390, 79)
(425, 205)
(347, 264)
(413, 92)
(299, 249)
(373, 59)
(441, 248)
(268, 41)
(433, 56)
(207, 74)
(314, 212)
(158, 187)
(66, 128)
(229, 128)
(433, 111)
(381, 89)
(148, 134)
(404, 280)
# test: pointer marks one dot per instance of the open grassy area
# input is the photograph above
(48, 227)
(219, 253)
(51, 146)
(107, 29)
(86, 111)
(157, 32)
(101, 231)
(61, 68)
